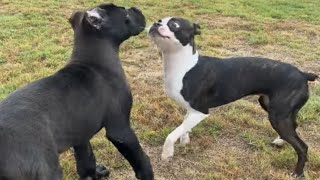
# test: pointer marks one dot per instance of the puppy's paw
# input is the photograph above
(102, 172)
(279, 142)
(185, 139)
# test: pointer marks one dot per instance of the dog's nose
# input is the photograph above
(157, 24)
(153, 28)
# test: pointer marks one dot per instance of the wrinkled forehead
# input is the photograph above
(176, 22)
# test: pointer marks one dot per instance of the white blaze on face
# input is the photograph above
(164, 29)
(167, 41)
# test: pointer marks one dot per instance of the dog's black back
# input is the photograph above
(66, 109)
(225, 80)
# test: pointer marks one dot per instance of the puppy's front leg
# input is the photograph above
(86, 163)
(125, 140)
(191, 120)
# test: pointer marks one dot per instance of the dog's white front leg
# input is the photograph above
(191, 120)
(185, 139)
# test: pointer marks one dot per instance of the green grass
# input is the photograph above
(234, 142)
(303, 10)
(311, 111)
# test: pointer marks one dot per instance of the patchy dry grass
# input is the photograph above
(234, 142)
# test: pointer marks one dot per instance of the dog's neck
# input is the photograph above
(89, 49)
(176, 65)
(179, 62)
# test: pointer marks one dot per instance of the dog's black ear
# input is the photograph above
(196, 28)
(94, 18)
(75, 19)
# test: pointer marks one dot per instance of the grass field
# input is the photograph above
(234, 142)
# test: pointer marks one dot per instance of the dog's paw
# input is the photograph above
(166, 157)
(167, 152)
(278, 142)
(185, 139)
(102, 172)
(297, 177)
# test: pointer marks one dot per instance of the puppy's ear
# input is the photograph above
(196, 28)
(75, 19)
(94, 18)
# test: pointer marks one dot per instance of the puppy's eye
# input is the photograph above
(127, 21)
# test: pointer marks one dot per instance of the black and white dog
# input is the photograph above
(199, 83)
(66, 109)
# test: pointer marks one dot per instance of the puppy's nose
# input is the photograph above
(136, 10)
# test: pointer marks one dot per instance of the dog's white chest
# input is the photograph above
(173, 86)
(176, 67)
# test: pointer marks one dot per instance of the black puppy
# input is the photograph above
(198, 83)
(66, 109)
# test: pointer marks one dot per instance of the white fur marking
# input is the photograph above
(185, 139)
(164, 29)
(94, 13)
(279, 142)
(177, 25)
(165, 21)
(176, 65)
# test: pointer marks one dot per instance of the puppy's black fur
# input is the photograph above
(66, 109)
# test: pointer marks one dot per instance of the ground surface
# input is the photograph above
(234, 142)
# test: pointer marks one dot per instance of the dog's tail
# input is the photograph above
(310, 76)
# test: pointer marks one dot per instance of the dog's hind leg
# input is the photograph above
(264, 103)
(191, 120)
(39, 170)
(118, 131)
(86, 163)
(283, 119)
(286, 130)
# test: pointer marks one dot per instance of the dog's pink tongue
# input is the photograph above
(164, 31)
